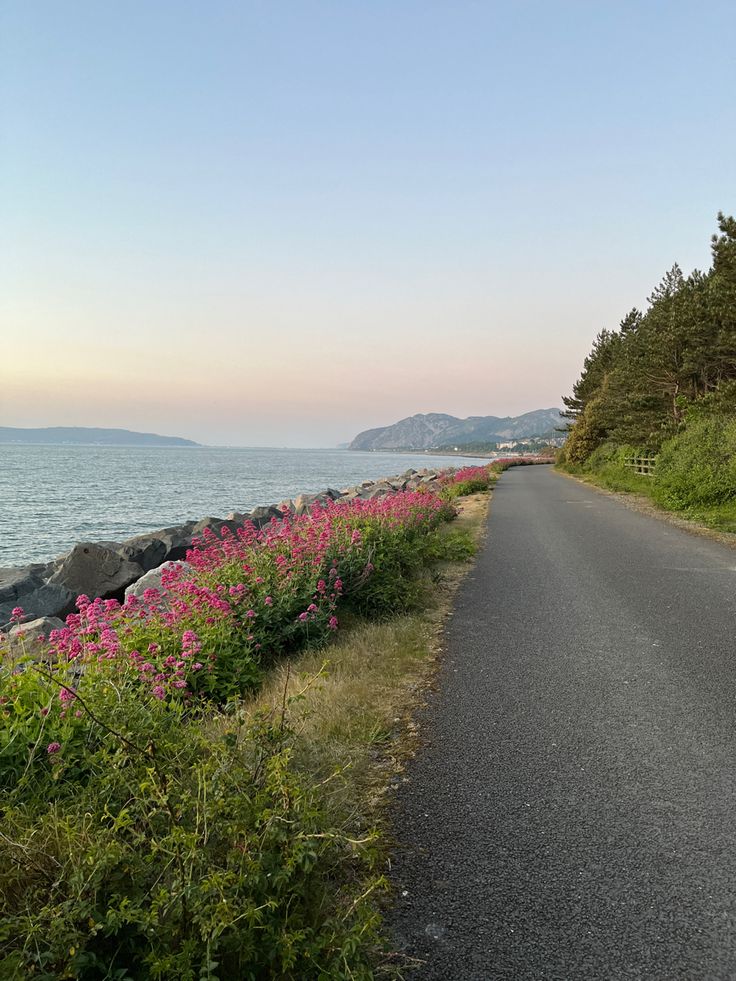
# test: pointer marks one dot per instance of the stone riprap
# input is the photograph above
(118, 569)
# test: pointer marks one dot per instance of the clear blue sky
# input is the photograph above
(282, 222)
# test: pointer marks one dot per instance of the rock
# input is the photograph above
(26, 587)
(287, 506)
(28, 637)
(377, 490)
(262, 516)
(146, 551)
(95, 570)
(303, 502)
(215, 525)
(152, 580)
(176, 541)
(238, 518)
(333, 494)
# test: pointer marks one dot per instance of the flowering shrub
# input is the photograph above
(468, 480)
(137, 843)
(249, 598)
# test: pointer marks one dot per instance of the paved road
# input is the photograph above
(573, 811)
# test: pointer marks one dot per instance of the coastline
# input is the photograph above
(108, 569)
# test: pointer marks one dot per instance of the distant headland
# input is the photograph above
(89, 436)
(436, 431)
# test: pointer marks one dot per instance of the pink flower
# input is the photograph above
(268, 601)
(303, 617)
(17, 614)
(332, 623)
(66, 696)
(53, 748)
(158, 692)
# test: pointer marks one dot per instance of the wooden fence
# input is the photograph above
(643, 465)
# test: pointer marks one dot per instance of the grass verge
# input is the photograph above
(717, 521)
(352, 705)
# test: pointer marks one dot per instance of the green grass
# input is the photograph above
(613, 478)
(719, 517)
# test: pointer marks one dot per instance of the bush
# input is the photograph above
(585, 436)
(185, 854)
(149, 831)
(468, 480)
(697, 468)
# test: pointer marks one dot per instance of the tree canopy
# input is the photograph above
(640, 383)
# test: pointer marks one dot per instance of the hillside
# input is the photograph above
(83, 436)
(434, 429)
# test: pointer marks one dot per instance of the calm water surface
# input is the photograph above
(54, 496)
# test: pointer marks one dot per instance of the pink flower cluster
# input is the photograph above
(249, 597)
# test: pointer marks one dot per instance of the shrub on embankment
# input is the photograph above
(697, 468)
(152, 828)
(694, 472)
(664, 385)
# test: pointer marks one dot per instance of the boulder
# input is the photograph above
(238, 517)
(376, 490)
(332, 493)
(29, 637)
(26, 587)
(95, 570)
(303, 502)
(152, 580)
(262, 516)
(146, 551)
(176, 540)
(215, 525)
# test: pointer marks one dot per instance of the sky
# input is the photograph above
(283, 222)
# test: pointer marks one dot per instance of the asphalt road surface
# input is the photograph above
(572, 811)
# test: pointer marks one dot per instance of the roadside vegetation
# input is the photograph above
(192, 782)
(664, 386)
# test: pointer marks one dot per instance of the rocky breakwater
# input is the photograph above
(47, 592)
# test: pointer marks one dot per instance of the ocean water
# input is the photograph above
(52, 497)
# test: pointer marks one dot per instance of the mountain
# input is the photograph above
(83, 436)
(434, 429)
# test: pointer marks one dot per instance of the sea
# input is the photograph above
(53, 496)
